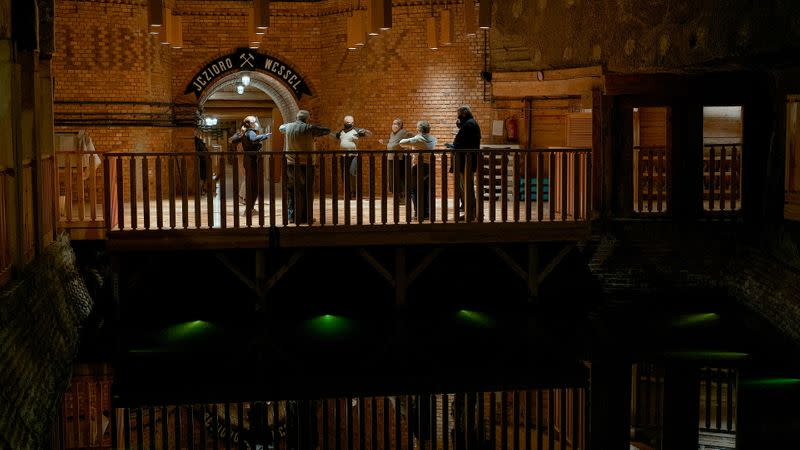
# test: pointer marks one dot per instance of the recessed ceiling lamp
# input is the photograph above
(240, 89)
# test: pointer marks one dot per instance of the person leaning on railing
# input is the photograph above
(299, 136)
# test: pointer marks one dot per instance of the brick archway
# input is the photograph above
(283, 98)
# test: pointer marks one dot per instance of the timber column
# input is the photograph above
(610, 405)
(681, 406)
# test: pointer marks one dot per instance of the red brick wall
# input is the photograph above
(127, 90)
(396, 75)
(106, 55)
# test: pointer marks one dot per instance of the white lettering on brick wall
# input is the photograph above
(247, 59)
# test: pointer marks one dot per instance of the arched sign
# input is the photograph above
(248, 59)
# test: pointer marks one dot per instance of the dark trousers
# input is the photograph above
(345, 162)
(251, 186)
(466, 196)
(202, 161)
(397, 185)
(426, 190)
(297, 190)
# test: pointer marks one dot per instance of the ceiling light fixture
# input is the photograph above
(470, 24)
(485, 15)
(447, 30)
(176, 32)
(246, 80)
(430, 31)
(155, 15)
(240, 89)
(261, 12)
(381, 14)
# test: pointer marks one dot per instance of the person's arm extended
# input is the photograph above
(363, 132)
(317, 130)
(260, 137)
(411, 140)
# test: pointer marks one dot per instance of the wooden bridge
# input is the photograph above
(141, 200)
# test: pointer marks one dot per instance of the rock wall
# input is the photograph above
(40, 317)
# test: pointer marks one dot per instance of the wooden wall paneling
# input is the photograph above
(579, 129)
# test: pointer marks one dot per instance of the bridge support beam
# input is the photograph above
(532, 276)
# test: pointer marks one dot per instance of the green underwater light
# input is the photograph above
(188, 330)
(476, 318)
(707, 354)
(688, 320)
(766, 382)
(330, 325)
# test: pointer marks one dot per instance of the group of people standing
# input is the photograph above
(299, 137)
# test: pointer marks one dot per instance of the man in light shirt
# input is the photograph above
(299, 137)
(348, 141)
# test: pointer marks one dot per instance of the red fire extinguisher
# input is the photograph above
(511, 129)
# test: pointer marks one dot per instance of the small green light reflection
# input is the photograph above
(688, 320)
(707, 354)
(147, 350)
(330, 325)
(476, 318)
(188, 330)
(766, 382)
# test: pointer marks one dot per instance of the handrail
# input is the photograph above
(169, 187)
(722, 177)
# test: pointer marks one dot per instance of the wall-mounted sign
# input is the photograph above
(250, 60)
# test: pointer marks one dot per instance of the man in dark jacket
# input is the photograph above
(468, 138)
(251, 144)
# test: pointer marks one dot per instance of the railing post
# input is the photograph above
(106, 191)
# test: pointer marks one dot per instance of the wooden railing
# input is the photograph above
(647, 402)
(528, 419)
(6, 257)
(81, 193)
(47, 177)
(165, 190)
(722, 177)
(717, 405)
(27, 211)
(718, 400)
(650, 179)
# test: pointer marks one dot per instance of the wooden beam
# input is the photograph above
(283, 270)
(548, 75)
(239, 274)
(533, 270)
(506, 258)
(350, 236)
(536, 88)
(554, 262)
(400, 277)
(376, 265)
(424, 264)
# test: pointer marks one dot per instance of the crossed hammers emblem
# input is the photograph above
(247, 58)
